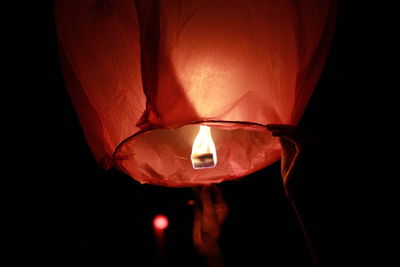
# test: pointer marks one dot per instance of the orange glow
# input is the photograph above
(160, 222)
(234, 66)
(204, 154)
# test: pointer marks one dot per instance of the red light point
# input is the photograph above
(160, 222)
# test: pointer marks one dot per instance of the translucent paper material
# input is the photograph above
(143, 75)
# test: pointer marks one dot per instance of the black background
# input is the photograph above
(61, 209)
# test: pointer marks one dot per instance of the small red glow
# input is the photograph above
(160, 222)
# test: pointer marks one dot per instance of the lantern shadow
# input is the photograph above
(167, 105)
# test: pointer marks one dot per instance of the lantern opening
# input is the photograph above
(163, 156)
(204, 154)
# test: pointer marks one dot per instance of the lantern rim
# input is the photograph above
(221, 124)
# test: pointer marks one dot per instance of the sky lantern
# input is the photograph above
(178, 92)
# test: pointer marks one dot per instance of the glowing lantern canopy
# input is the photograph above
(145, 75)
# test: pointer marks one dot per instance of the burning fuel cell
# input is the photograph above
(203, 161)
(204, 154)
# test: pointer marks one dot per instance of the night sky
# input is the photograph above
(62, 209)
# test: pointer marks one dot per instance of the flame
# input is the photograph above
(204, 154)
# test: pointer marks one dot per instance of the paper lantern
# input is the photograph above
(144, 75)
